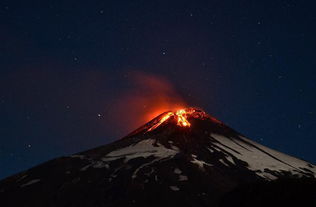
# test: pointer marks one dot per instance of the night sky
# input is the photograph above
(78, 74)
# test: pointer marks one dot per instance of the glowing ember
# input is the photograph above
(180, 115)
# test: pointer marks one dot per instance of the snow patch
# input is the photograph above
(177, 171)
(174, 188)
(143, 149)
(85, 167)
(100, 164)
(230, 159)
(223, 162)
(21, 178)
(183, 178)
(211, 150)
(30, 182)
(199, 163)
(95, 164)
(78, 156)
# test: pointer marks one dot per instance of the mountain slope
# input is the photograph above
(183, 158)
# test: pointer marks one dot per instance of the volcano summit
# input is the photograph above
(181, 158)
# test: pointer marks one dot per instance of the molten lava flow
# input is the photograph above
(182, 120)
(162, 120)
(180, 116)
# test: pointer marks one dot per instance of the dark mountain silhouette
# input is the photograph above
(183, 158)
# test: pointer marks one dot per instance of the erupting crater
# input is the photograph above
(181, 116)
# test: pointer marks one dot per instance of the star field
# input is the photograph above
(64, 65)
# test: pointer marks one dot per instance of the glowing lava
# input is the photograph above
(180, 115)
(182, 120)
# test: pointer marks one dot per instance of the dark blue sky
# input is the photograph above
(64, 66)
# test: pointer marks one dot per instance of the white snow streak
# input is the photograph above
(30, 182)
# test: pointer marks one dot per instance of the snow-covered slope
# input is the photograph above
(266, 162)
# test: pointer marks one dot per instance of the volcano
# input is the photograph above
(182, 158)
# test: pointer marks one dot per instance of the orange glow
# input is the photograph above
(145, 97)
(180, 115)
